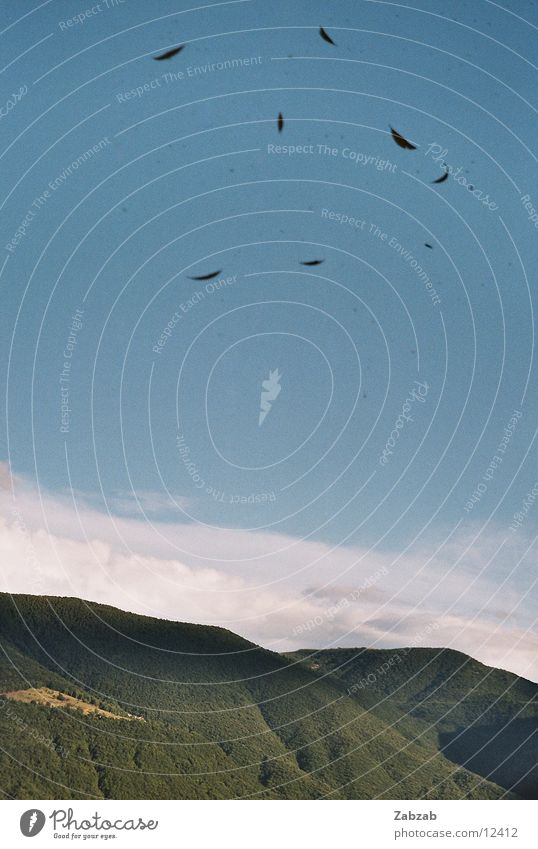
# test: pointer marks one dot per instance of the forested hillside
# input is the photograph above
(219, 717)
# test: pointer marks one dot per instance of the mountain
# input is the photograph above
(484, 719)
(99, 703)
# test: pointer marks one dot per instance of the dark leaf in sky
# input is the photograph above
(169, 53)
(400, 141)
(325, 36)
(442, 178)
(207, 276)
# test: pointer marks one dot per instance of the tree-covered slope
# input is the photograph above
(222, 717)
(482, 718)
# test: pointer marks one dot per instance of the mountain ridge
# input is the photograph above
(225, 718)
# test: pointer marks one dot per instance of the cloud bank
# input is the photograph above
(475, 592)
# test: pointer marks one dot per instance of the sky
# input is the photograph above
(387, 494)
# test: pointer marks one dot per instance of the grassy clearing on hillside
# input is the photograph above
(55, 699)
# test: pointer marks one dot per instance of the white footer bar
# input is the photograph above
(258, 824)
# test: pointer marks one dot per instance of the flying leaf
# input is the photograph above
(326, 37)
(207, 276)
(401, 141)
(169, 53)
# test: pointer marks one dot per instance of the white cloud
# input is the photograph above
(276, 590)
(136, 504)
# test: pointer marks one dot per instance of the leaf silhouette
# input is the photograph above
(169, 53)
(442, 178)
(207, 276)
(326, 37)
(401, 141)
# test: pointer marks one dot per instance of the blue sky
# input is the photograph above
(186, 179)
